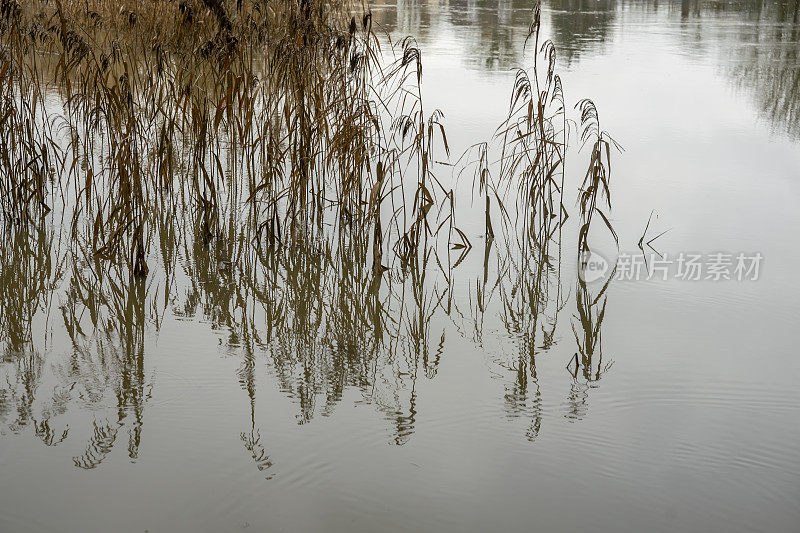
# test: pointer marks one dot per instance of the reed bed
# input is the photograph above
(263, 165)
(277, 115)
(282, 112)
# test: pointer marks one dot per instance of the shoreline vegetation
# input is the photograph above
(279, 113)
(271, 165)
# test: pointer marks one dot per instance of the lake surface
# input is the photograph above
(679, 409)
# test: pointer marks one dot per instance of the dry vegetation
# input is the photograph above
(275, 165)
(279, 112)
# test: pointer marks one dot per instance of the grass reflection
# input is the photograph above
(321, 236)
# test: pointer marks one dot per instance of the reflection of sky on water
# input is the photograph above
(691, 430)
(754, 45)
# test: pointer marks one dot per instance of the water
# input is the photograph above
(685, 419)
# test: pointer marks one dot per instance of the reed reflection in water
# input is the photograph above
(310, 291)
(354, 312)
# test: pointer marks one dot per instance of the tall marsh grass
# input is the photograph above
(275, 162)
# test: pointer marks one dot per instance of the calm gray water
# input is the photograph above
(684, 416)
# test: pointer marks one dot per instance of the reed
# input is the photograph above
(596, 188)
(265, 167)
(283, 112)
